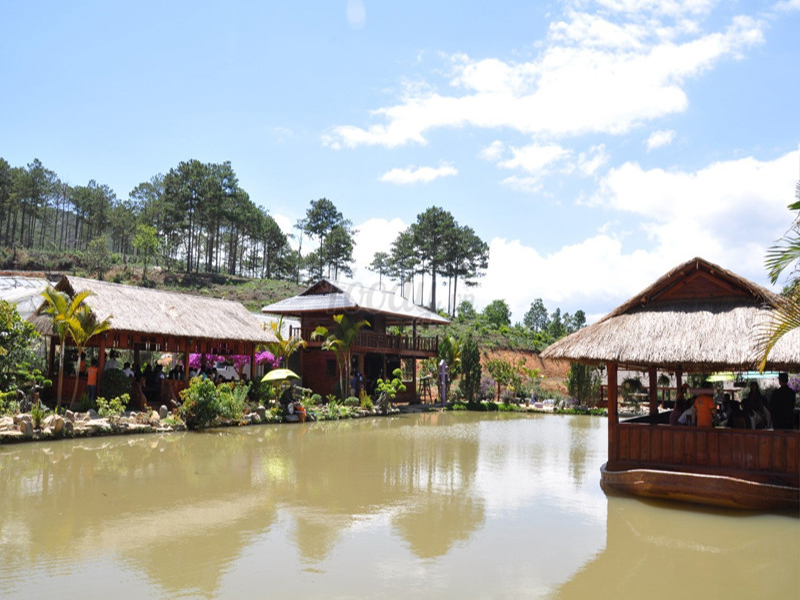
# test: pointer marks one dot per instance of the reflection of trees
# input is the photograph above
(581, 434)
(182, 508)
(378, 466)
(653, 550)
(158, 503)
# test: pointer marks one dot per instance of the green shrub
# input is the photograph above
(112, 409)
(37, 414)
(366, 403)
(200, 406)
(232, 399)
(114, 383)
(352, 401)
(459, 406)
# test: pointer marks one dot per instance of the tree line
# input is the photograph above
(200, 217)
(436, 245)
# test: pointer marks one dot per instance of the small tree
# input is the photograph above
(63, 310)
(450, 353)
(470, 369)
(340, 342)
(98, 257)
(146, 244)
(285, 346)
(583, 383)
(17, 338)
(83, 328)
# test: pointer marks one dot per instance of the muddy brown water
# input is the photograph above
(445, 505)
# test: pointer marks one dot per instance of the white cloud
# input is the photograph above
(374, 235)
(728, 213)
(787, 6)
(356, 14)
(534, 159)
(575, 86)
(416, 175)
(590, 162)
(659, 139)
(493, 152)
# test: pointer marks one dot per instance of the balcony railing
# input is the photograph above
(369, 340)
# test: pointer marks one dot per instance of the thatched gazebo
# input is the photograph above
(698, 317)
(144, 319)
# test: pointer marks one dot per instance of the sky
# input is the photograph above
(594, 145)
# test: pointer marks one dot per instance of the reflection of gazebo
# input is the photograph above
(144, 319)
(698, 317)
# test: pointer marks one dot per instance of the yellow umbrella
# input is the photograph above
(280, 375)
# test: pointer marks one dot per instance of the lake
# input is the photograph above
(446, 505)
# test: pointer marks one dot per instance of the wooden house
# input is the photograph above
(698, 318)
(390, 340)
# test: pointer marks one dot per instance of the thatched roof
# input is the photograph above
(158, 312)
(336, 297)
(697, 317)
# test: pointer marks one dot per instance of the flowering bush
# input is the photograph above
(238, 360)
(794, 383)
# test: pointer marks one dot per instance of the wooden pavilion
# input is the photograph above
(698, 318)
(377, 352)
(144, 319)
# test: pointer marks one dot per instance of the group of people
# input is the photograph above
(753, 412)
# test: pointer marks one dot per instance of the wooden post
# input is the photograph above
(653, 395)
(252, 362)
(613, 416)
(186, 360)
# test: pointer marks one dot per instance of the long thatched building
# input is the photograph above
(144, 319)
(698, 318)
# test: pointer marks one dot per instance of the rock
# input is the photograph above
(154, 419)
(57, 425)
(93, 414)
(19, 418)
(98, 426)
(26, 428)
(262, 412)
(69, 428)
(6, 423)
(69, 415)
(47, 421)
(174, 404)
(163, 411)
(253, 418)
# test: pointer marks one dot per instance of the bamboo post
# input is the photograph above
(613, 416)
(653, 395)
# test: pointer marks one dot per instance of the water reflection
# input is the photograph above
(662, 550)
(413, 506)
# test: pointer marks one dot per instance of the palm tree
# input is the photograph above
(284, 347)
(81, 329)
(341, 343)
(63, 309)
(786, 315)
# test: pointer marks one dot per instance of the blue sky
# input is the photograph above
(593, 145)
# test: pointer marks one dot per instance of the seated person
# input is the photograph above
(704, 409)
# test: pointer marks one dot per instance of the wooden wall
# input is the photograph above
(762, 455)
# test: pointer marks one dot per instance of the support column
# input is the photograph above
(653, 395)
(613, 415)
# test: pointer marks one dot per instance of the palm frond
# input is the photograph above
(785, 318)
(784, 253)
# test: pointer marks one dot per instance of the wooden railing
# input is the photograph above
(766, 454)
(369, 340)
